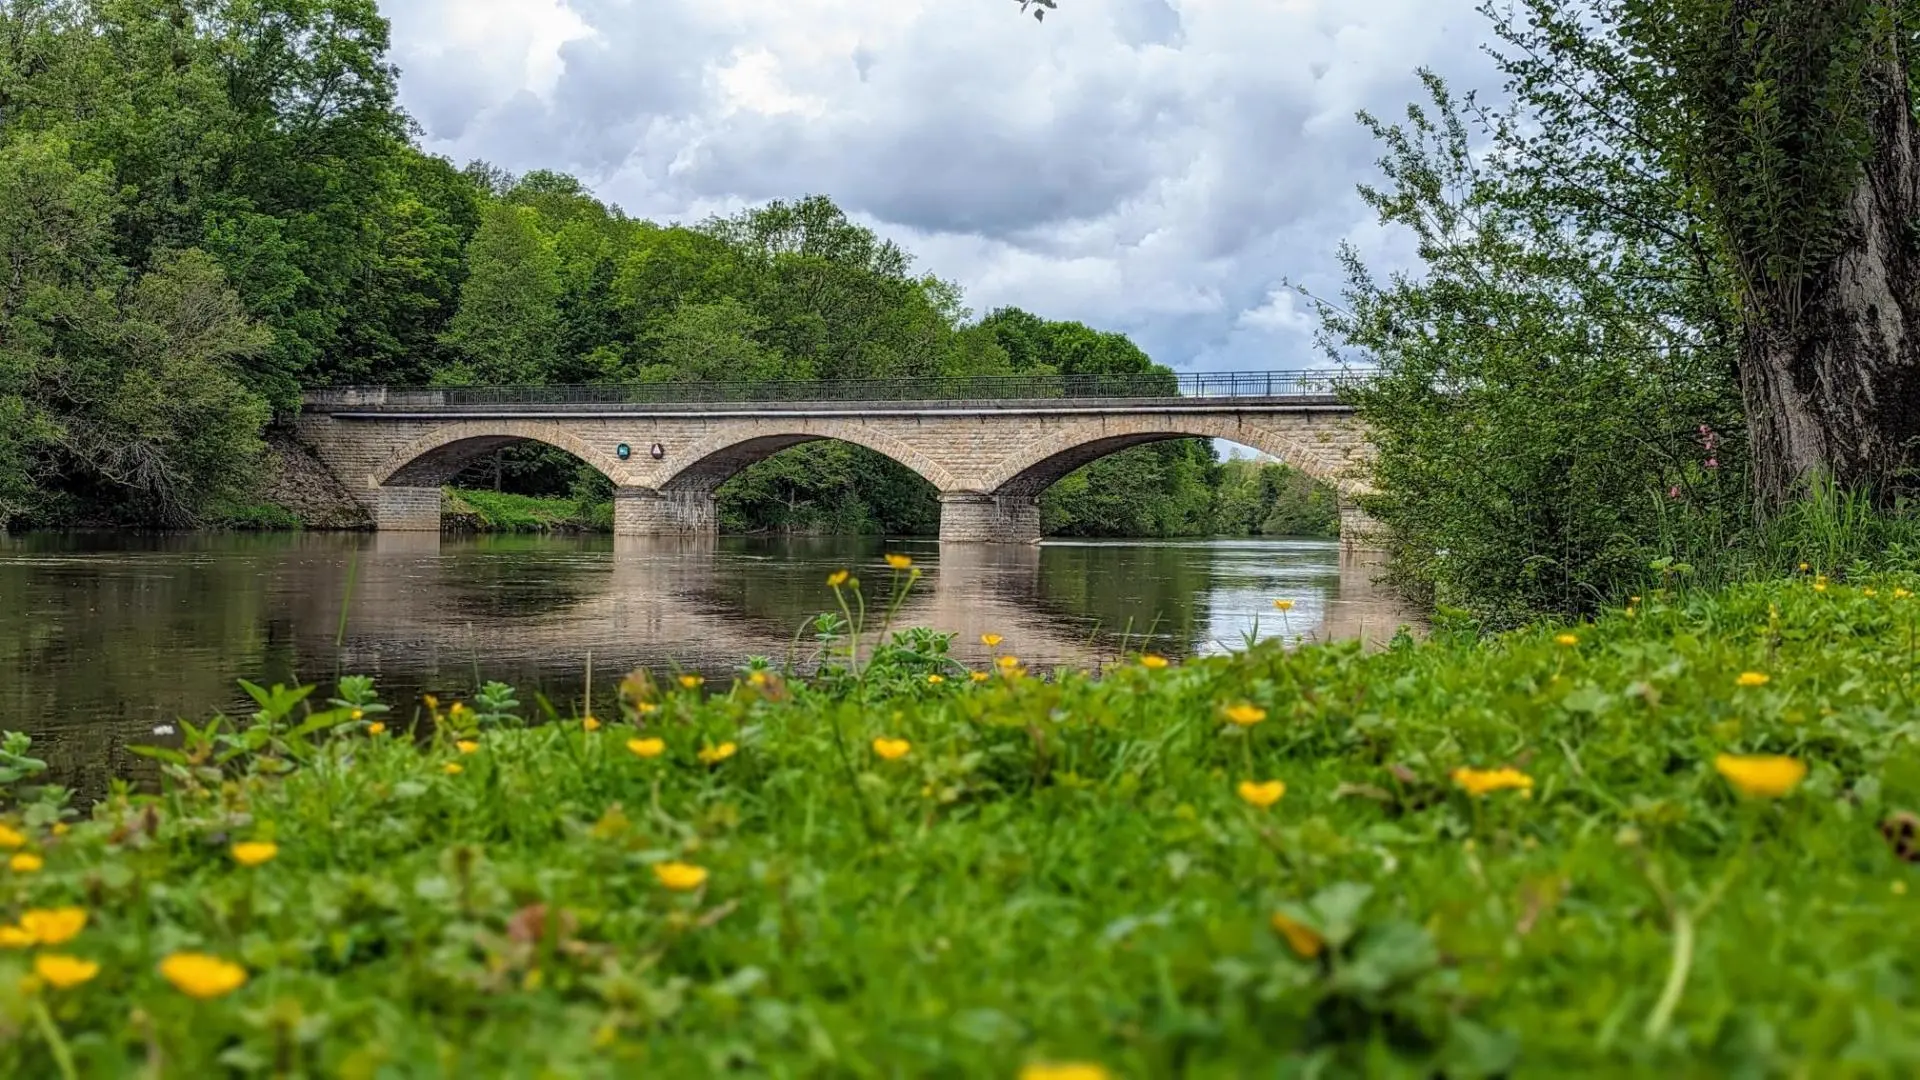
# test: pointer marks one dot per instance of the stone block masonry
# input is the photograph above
(988, 460)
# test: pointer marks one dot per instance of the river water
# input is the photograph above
(104, 638)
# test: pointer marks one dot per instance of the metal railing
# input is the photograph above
(1326, 383)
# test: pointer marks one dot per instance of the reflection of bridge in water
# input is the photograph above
(684, 601)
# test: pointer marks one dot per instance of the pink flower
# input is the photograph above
(1673, 492)
(1713, 463)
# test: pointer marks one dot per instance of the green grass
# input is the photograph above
(1058, 869)
(496, 511)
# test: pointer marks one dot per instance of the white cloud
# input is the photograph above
(1152, 166)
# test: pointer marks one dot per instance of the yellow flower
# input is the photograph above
(1804, 568)
(1752, 678)
(1262, 795)
(14, 937)
(54, 926)
(935, 680)
(466, 746)
(991, 641)
(357, 715)
(432, 702)
(679, 876)
(591, 723)
(1283, 605)
(1568, 640)
(1301, 938)
(713, 755)
(25, 862)
(891, 749)
(1869, 592)
(899, 562)
(1153, 661)
(376, 728)
(1902, 594)
(201, 976)
(1071, 1070)
(977, 676)
(1486, 781)
(11, 838)
(838, 578)
(692, 682)
(1819, 586)
(1008, 661)
(1761, 776)
(1245, 714)
(646, 708)
(64, 972)
(254, 852)
(647, 747)
(457, 709)
(452, 768)
(60, 828)
(757, 678)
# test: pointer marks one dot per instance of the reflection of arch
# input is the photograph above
(709, 462)
(439, 455)
(1036, 466)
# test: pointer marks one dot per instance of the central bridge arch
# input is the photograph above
(710, 462)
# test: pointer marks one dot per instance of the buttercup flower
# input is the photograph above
(254, 852)
(376, 728)
(977, 676)
(64, 972)
(357, 715)
(1752, 678)
(16, 937)
(1072, 1070)
(25, 862)
(1761, 776)
(838, 578)
(991, 641)
(679, 876)
(11, 838)
(1153, 661)
(713, 755)
(1301, 938)
(1902, 594)
(590, 723)
(891, 749)
(431, 702)
(899, 562)
(452, 768)
(466, 746)
(53, 926)
(1262, 795)
(647, 747)
(1283, 605)
(1245, 714)
(935, 680)
(692, 682)
(1567, 640)
(1478, 782)
(201, 976)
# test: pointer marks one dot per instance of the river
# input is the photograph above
(106, 637)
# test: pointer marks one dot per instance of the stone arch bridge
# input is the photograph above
(989, 446)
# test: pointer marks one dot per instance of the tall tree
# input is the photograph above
(509, 304)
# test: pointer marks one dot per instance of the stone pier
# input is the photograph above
(970, 518)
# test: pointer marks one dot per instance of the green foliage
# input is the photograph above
(1050, 869)
(509, 305)
(477, 510)
(1256, 498)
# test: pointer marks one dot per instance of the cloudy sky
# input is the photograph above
(1152, 166)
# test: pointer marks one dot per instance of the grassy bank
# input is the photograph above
(470, 510)
(1216, 868)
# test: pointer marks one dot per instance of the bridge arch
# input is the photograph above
(1038, 465)
(438, 456)
(710, 462)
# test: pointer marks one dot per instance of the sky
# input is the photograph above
(1158, 167)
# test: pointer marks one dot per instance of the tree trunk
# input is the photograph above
(1832, 384)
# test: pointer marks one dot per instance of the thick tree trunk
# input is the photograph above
(1832, 381)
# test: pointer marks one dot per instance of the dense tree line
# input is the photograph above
(207, 205)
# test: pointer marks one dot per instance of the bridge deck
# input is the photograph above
(411, 409)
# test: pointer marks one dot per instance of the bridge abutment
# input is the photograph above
(970, 518)
(1358, 531)
(639, 511)
(395, 508)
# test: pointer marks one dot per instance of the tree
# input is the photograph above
(509, 304)
(1797, 136)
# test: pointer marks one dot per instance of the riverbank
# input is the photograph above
(1553, 851)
